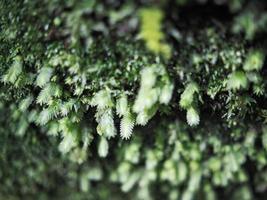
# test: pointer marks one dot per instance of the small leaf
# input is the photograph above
(126, 126)
(45, 116)
(122, 105)
(192, 117)
(44, 76)
(237, 80)
(25, 103)
(67, 143)
(254, 61)
(102, 99)
(105, 121)
(166, 93)
(14, 71)
(187, 96)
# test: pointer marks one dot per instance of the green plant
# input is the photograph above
(138, 100)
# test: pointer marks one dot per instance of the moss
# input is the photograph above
(138, 100)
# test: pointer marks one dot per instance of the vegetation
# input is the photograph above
(154, 99)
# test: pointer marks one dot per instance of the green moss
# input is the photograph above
(137, 100)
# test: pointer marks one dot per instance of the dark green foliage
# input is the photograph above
(137, 100)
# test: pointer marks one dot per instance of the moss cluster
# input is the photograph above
(139, 100)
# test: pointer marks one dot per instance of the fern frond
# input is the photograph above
(67, 107)
(105, 121)
(146, 99)
(44, 76)
(45, 116)
(152, 92)
(14, 71)
(166, 93)
(126, 126)
(67, 143)
(122, 105)
(25, 103)
(45, 95)
(192, 117)
(146, 96)
(187, 96)
(237, 80)
(49, 91)
(143, 117)
(48, 113)
(102, 99)
(148, 77)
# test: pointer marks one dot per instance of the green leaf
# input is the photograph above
(237, 80)
(14, 71)
(102, 99)
(44, 76)
(166, 93)
(187, 96)
(126, 126)
(122, 105)
(254, 61)
(192, 117)
(105, 121)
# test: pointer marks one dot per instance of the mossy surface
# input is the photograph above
(135, 99)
